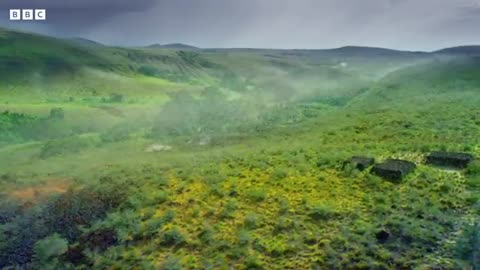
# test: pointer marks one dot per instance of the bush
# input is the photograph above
(244, 238)
(474, 168)
(252, 221)
(321, 212)
(279, 174)
(115, 98)
(473, 182)
(57, 113)
(257, 195)
(67, 145)
(149, 71)
(468, 246)
(171, 264)
(172, 237)
(48, 249)
(116, 134)
(253, 263)
(206, 235)
(229, 208)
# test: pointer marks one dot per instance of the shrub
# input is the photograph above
(172, 263)
(67, 145)
(279, 174)
(206, 235)
(116, 134)
(473, 182)
(253, 263)
(468, 246)
(257, 195)
(321, 212)
(474, 168)
(47, 249)
(244, 237)
(229, 208)
(57, 113)
(283, 206)
(283, 224)
(115, 98)
(172, 237)
(149, 71)
(252, 221)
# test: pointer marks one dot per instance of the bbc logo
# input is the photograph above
(28, 14)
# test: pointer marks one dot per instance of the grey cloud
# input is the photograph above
(403, 24)
(70, 15)
(123, 5)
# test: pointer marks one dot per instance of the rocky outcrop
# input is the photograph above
(360, 163)
(393, 169)
(450, 159)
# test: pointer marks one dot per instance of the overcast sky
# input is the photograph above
(397, 24)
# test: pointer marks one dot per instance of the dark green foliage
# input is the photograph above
(115, 98)
(116, 134)
(69, 145)
(229, 208)
(171, 263)
(172, 237)
(57, 113)
(468, 246)
(48, 249)
(13, 126)
(253, 263)
(149, 71)
(195, 59)
(8, 209)
(257, 195)
(252, 221)
(279, 173)
(206, 235)
(474, 169)
(321, 212)
(75, 208)
(63, 214)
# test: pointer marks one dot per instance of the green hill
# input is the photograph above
(155, 158)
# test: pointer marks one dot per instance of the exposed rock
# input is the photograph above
(158, 148)
(449, 159)
(393, 169)
(361, 163)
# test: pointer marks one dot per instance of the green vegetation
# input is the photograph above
(156, 158)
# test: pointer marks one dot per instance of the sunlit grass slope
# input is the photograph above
(154, 158)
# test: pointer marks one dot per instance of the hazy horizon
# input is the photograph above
(231, 48)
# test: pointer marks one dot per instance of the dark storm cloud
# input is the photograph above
(110, 5)
(72, 15)
(405, 24)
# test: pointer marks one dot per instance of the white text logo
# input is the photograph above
(28, 14)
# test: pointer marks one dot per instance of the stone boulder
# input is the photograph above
(360, 163)
(393, 169)
(450, 159)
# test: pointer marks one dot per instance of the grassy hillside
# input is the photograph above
(158, 158)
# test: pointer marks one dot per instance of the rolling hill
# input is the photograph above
(172, 158)
(174, 46)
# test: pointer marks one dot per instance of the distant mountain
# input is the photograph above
(84, 41)
(366, 50)
(461, 50)
(176, 46)
(373, 52)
